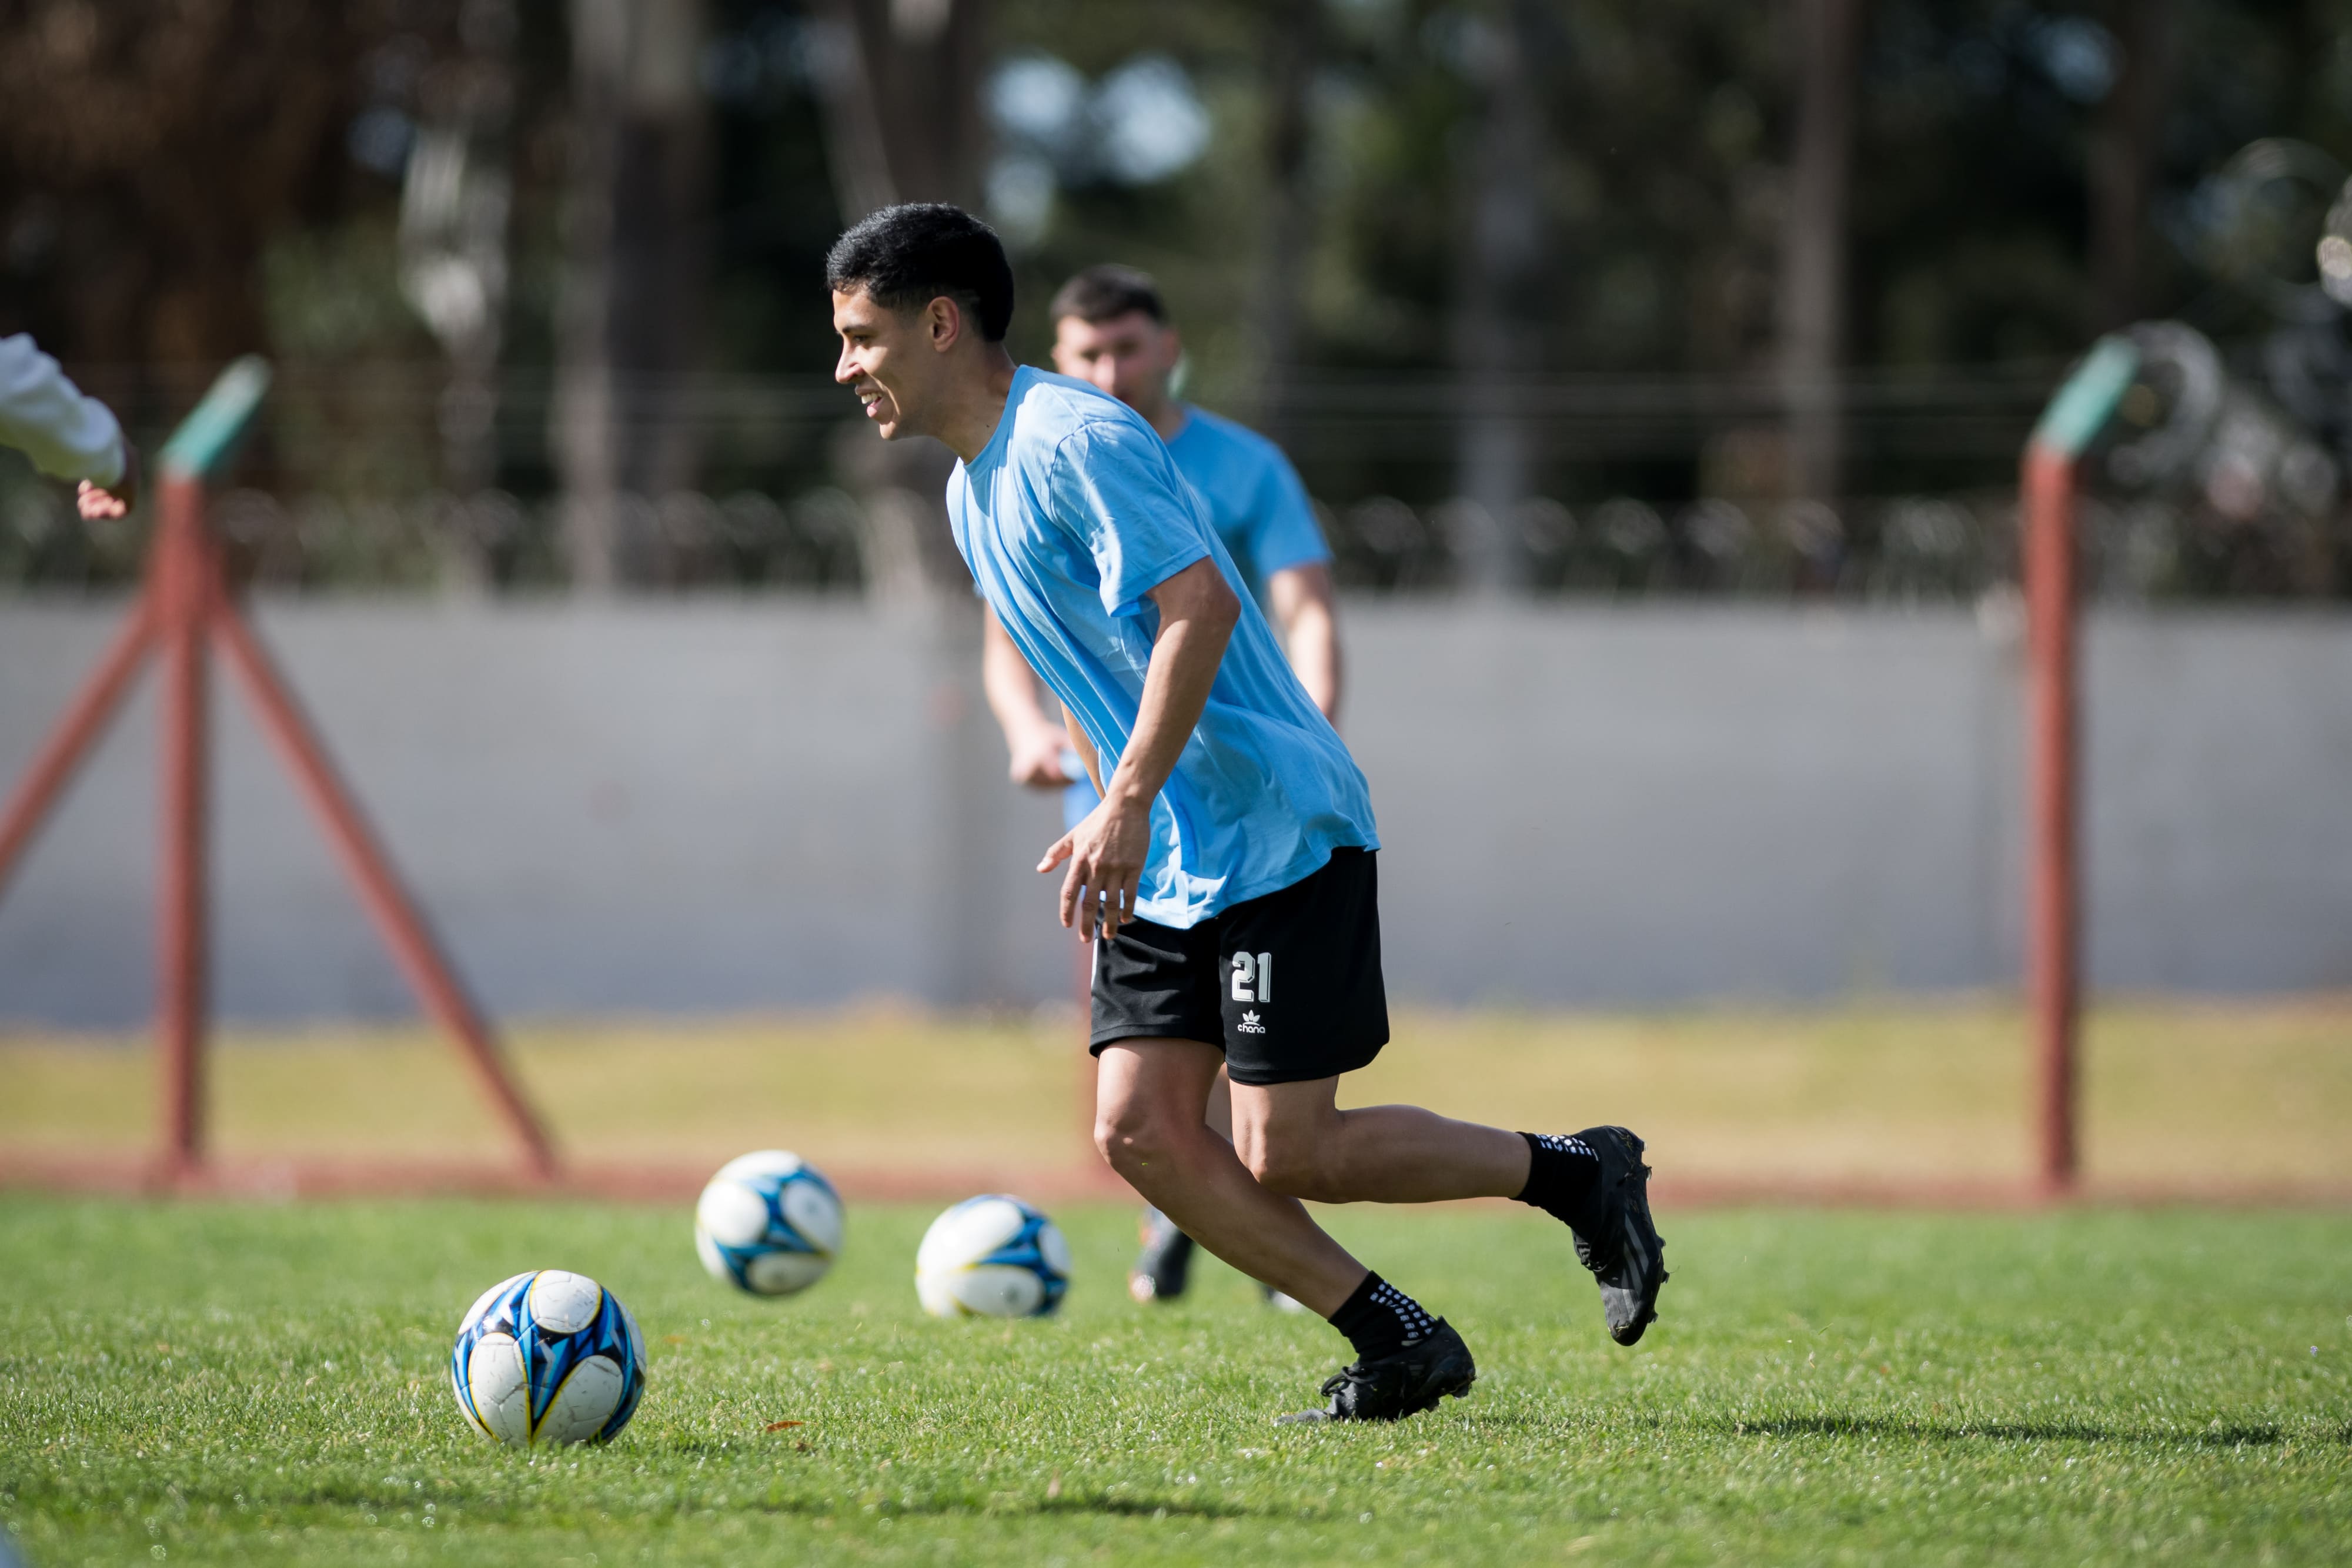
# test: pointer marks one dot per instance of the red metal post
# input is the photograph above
(182, 589)
(395, 916)
(2053, 907)
(76, 731)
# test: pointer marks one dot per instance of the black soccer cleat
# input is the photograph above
(1625, 1253)
(1436, 1367)
(1165, 1265)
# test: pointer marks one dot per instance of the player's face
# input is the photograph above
(887, 359)
(1129, 356)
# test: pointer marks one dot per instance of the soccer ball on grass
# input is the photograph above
(991, 1257)
(769, 1223)
(548, 1357)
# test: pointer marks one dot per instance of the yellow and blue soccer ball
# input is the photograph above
(991, 1257)
(546, 1358)
(769, 1223)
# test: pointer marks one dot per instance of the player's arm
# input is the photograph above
(1033, 738)
(1106, 851)
(1307, 610)
(66, 433)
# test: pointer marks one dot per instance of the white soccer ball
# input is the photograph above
(769, 1223)
(546, 1358)
(991, 1257)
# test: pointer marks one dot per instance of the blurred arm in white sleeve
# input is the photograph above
(67, 434)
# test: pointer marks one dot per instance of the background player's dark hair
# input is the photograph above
(907, 255)
(1108, 292)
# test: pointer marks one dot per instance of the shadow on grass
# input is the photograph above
(1946, 1431)
(1120, 1506)
(335, 1505)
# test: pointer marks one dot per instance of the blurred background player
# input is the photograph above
(66, 433)
(1111, 329)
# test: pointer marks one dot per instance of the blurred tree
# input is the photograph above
(1198, 88)
(1827, 35)
(902, 82)
(2125, 144)
(1504, 222)
(179, 181)
(456, 198)
(1294, 54)
(635, 245)
(148, 151)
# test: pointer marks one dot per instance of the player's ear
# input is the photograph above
(943, 320)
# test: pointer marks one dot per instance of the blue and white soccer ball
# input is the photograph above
(991, 1257)
(546, 1358)
(768, 1222)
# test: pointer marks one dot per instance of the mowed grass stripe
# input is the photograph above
(258, 1383)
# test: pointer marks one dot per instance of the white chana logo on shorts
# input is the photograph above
(1249, 1024)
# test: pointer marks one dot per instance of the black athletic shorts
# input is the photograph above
(1288, 985)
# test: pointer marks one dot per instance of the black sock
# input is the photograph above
(1381, 1319)
(1564, 1180)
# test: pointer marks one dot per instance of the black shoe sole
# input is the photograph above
(1633, 1217)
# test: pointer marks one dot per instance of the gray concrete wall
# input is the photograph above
(717, 805)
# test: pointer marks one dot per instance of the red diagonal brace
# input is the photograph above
(77, 730)
(397, 918)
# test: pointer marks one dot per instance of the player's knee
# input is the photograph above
(1133, 1134)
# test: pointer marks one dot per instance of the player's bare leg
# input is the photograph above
(1296, 1140)
(1150, 1123)
(1164, 1264)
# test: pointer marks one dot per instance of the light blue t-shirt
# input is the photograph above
(1069, 516)
(1255, 501)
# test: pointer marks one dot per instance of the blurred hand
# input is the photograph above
(1106, 853)
(1037, 759)
(96, 501)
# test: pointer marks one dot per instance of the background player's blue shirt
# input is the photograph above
(1255, 501)
(1068, 518)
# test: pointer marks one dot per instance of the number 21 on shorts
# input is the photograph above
(1256, 971)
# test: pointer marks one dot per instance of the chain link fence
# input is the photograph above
(339, 494)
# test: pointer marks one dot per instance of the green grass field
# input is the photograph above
(255, 1384)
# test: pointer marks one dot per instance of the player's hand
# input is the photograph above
(115, 500)
(1105, 855)
(1037, 759)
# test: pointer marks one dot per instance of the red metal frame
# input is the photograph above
(184, 603)
(2053, 909)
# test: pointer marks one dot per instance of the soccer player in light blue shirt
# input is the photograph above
(1112, 330)
(1228, 879)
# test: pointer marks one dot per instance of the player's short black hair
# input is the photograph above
(907, 255)
(1108, 292)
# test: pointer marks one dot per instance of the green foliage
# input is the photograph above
(243, 1384)
(332, 297)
